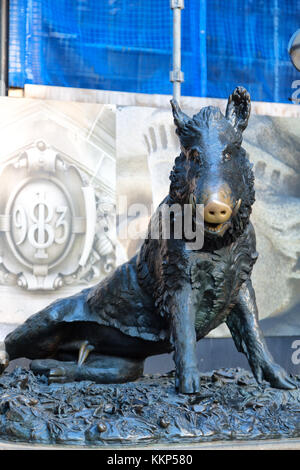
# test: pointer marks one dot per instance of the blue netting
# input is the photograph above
(126, 45)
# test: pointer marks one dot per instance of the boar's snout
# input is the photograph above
(217, 212)
(218, 208)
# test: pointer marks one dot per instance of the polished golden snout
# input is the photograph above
(217, 212)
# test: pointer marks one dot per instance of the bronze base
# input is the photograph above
(229, 407)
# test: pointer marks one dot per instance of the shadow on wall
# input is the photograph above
(283, 324)
(216, 353)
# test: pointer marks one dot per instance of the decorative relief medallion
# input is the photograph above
(48, 222)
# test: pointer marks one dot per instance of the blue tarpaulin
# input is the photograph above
(126, 45)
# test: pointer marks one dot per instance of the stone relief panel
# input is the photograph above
(273, 144)
(57, 205)
(42, 216)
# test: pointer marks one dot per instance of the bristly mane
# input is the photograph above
(180, 185)
(210, 115)
(206, 115)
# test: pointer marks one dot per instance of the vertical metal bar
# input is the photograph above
(202, 43)
(276, 50)
(176, 51)
(4, 15)
(176, 75)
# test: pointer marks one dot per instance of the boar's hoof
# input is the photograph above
(275, 375)
(188, 381)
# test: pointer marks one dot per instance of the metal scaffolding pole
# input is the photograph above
(4, 11)
(176, 75)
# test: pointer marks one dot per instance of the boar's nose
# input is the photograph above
(216, 211)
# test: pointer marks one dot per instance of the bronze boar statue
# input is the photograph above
(167, 296)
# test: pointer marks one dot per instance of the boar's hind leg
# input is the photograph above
(98, 368)
(248, 338)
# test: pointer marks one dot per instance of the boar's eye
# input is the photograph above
(226, 157)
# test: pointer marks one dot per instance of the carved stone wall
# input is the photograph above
(57, 205)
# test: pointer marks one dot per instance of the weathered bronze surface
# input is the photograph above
(167, 297)
(230, 406)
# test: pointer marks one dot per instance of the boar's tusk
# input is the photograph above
(84, 351)
(192, 201)
(237, 206)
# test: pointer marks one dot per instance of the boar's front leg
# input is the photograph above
(248, 338)
(183, 335)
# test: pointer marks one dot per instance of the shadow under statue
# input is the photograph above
(167, 296)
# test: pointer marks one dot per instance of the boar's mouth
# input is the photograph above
(216, 229)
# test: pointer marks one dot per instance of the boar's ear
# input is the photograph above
(238, 108)
(180, 118)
